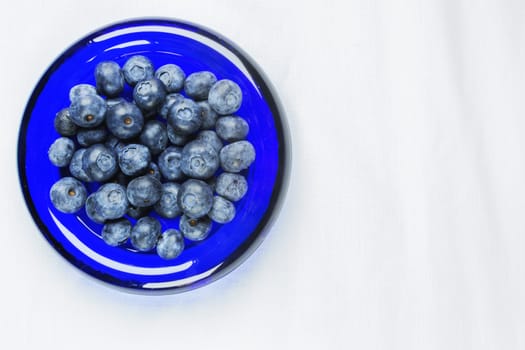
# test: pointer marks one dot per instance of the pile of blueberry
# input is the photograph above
(177, 149)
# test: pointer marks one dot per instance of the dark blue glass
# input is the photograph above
(75, 237)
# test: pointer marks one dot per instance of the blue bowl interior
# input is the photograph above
(76, 237)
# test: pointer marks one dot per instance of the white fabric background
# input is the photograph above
(404, 222)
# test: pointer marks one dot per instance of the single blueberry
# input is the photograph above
(195, 229)
(81, 90)
(197, 85)
(92, 209)
(185, 117)
(61, 151)
(232, 128)
(231, 186)
(111, 201)
(76, 166)
(172, 76)
(168, 102)
(237, 156)
(210, 137)
(124, 120)
(199, 160)
(225, 97)
(170, 244)
(115, 233)
(63, 123)
(175, 138)
(144, 191)
(99, 162)
(149, 94)
(209, 116)
(195, 198)
(88, 137)
(137, 68)
(134, 159)
(145, 233)
(169, 163)
(167, 206)
(155, 136)
(88, 111)
(109, 78)
(222, 210)
(138, 212)
(153, 170)
(68, 195)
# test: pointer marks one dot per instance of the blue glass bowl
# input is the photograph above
(77, 238)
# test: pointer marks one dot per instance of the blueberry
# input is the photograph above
(197, 85)
(110, 102)
(237, 156)
(110, 201)
(155, 136)
(114, 144)
(225, 97)
(138, 212)
(144, 191)
(81, 90)
(199, 160)
(88, 137)
(222, 210)
(115, 233)
(61, 151)
(175, 138)
(172, 76)
(170, 244)
(137, 68)
(231, 186)
(99, 162)
(76, 166)
(68, 195)
(195, 198)
(153, 170)
(185, 117)
(149, 94)
(109, 78)
(169, 163)
(88, 111)
(210, 137)
(145, 233)
(167, 206)
(92, 209)
(63, 123)
(134, 159)
(232, 128)
(168, 102)
(195, 229)
(124, 120)
(209, 116)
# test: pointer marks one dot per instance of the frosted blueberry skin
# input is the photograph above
(169, 163)
(199, 160)
(109, 78)
(145, 233)
(134, 159)
(232, 128)
(76, 167)
(114, 144)
(171, 76)
(197, 85)
(88, 137)
(111, 201)
(138, 212)
(231, 186)
(153, 170)
(144, 191)
(209, 116)
(137, 68)
(176, 139)
(124, 120)
(115, 233)
(88, 111)
(149, 94)
(63, 123)
(68, 195)
(92, 209)
(99, 162)
(155, 136)
(185, 117)
(170, 245)
(195, 229)
(61, 151)
(237, 156)
(210, 137)
(110, 102)
(222, 210)
(169, 100)
(81, 90)
(195, 198)
(167, 206)
(225, 97)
